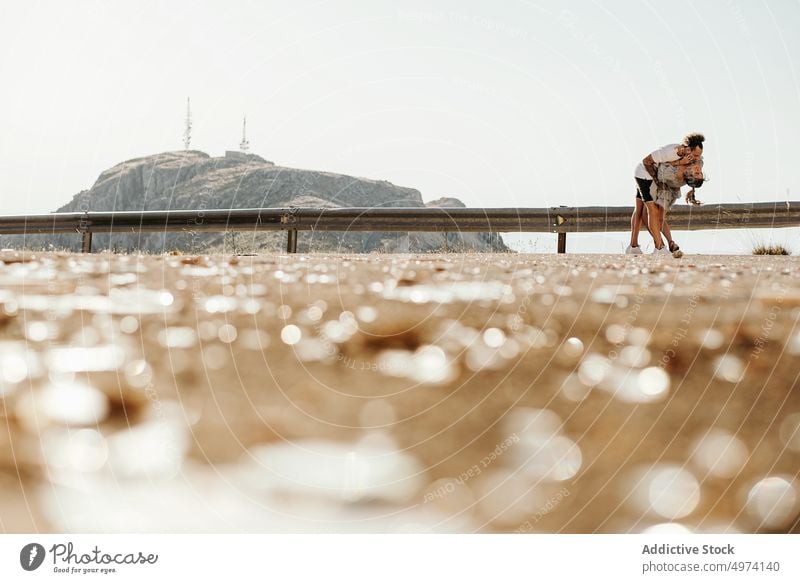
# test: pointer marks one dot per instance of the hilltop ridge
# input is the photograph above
(192, 179)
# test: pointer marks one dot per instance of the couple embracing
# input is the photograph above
(659, 178)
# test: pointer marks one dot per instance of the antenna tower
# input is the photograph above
(187, 132)
(244, 145)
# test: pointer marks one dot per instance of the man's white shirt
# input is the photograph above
(668, 153)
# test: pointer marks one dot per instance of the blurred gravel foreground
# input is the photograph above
(399, 393)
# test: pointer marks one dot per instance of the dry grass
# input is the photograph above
(770, 249)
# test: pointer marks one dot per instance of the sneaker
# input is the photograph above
(631, 250)
(663, 251)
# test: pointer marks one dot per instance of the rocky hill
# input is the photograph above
(195, 180)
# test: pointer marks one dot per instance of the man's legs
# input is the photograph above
(637, 220)
(640, 216)
(646, 221)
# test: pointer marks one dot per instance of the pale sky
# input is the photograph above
(507, 103)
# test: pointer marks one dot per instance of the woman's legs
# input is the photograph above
(655, 219)
(667, 232)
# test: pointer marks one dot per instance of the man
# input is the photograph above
(658, 180)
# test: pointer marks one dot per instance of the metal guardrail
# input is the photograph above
(560, 220)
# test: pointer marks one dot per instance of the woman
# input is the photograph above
(670, 178)
(678, 164)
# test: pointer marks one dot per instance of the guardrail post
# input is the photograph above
(86, 242)
(291, 241)
(562, 242)
(84, 228)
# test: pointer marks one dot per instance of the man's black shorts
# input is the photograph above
(643, 189)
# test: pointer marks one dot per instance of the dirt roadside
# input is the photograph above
(492, 393)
